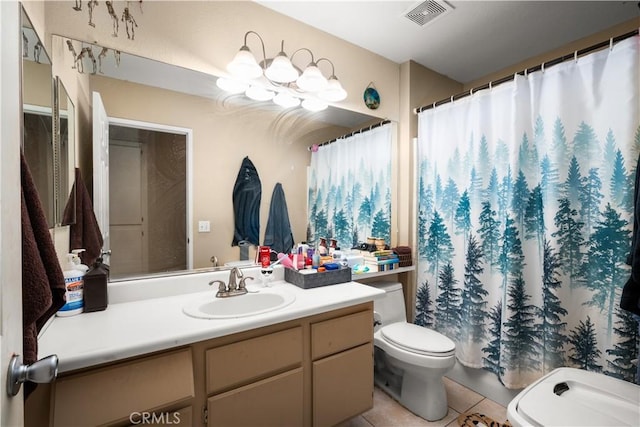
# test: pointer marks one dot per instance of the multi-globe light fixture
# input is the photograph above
(278, 80)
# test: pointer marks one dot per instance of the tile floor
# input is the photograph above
(386, 412)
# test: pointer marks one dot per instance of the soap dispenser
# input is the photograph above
(95, 287)
(74, 284)
(78, 261)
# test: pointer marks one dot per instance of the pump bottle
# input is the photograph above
(74, 284)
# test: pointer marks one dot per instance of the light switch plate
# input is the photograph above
(204, 226)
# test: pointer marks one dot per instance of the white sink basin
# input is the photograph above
(250, 304)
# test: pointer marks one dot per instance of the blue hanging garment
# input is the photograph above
(247, 193)
(278, 233)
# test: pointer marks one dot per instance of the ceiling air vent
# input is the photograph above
(427, 11)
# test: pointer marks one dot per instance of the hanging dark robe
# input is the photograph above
(278, 233)
(630, 299)
(247, 193)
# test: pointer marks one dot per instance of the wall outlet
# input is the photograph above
(204, 226)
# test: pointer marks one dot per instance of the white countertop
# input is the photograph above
(132, 326)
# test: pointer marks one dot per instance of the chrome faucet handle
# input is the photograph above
(242, 285)
(222, 288)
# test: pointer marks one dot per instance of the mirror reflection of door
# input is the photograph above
(147, 200)
(141, 194)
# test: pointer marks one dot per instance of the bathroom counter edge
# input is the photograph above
(138, 327)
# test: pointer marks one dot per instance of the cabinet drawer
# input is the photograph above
(334, 335)
(245, 361)
(116, 392)
(275, 401)
(342, 386)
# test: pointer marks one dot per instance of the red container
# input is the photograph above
(264, 256)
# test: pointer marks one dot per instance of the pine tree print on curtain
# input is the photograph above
(349, 189)
(524, 219)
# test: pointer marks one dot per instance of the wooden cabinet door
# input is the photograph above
(342, 386)
(275, 401)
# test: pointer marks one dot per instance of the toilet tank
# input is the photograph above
(391, 307)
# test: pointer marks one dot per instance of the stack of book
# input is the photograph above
(381, 260)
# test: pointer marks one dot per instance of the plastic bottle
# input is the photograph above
(78, 262)
(315, 260)
(322, 247)
(74, 284)
(95, 287)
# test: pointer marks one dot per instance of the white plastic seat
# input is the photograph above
(416, 339)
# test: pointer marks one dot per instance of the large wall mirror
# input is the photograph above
(37, 98)
(64, 154)
(48, 129)
(176, 143)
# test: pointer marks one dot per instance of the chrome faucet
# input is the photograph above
(233, 288)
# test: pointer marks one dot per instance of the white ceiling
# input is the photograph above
(475, 39)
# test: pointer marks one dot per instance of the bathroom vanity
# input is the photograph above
(307, 364)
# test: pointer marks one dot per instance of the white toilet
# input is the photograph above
(410, 360)
(575, 397)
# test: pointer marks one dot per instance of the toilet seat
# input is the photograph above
(417, 339)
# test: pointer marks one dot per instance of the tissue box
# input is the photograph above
(315, 280)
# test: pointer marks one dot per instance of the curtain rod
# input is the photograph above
(526, 71)
(364, 129)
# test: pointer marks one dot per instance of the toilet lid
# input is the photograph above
(418, 339)
(575, 397)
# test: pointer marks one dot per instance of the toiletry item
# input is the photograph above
(264, 256)
(285, 260)
(304, 246)
(78, 262)
(95, 287)
(322, 248)
(333, 244)
(300, 260)
(266, 275)
(315, 260)
(73, 282)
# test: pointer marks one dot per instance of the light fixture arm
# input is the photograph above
(264, 54)
(313, 61)
(333, 68)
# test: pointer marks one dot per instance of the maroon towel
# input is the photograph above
(84, 231)
(43, 290)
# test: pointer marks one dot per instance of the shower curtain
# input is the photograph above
(524, 219)
(349, 188)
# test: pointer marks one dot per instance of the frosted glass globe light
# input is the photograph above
(313, 104)
(334, 91)
(312, 79)
(231, 85)
(244, 65)
(285, 100)
(258, 93)
(281, 70)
